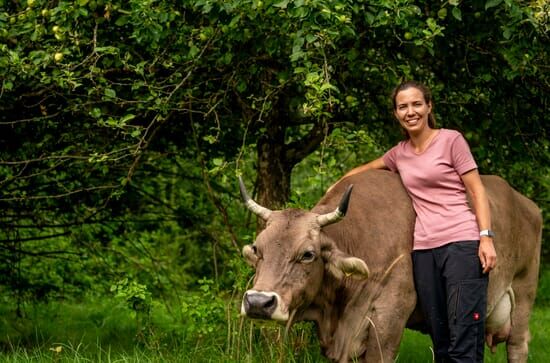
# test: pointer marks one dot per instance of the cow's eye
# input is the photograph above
(308, 256)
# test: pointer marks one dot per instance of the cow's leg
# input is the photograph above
(371, 327)
(392, 308)
(525, 288)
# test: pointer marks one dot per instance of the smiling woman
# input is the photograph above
(453, 243)
(412, 104)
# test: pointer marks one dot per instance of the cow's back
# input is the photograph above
(380, 220)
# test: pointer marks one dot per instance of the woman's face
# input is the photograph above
(412, 110)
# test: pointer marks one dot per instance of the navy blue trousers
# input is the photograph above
(452, 292)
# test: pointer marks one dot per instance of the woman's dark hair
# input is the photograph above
(422, 88)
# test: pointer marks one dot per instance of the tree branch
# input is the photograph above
(300, 149)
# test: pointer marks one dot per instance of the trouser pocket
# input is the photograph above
(467, 305)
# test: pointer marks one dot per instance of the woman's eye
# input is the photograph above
(308, 256)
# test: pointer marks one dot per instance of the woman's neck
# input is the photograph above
(420, 141)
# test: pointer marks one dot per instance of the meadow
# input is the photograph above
(107, 330)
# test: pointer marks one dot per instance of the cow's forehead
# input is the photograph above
(289, 227)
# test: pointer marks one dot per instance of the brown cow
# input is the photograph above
(308, 268)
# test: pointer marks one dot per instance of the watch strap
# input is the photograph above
(486, 232)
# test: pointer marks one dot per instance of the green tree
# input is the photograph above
(116, 111)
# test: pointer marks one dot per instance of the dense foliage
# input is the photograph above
(124, 124)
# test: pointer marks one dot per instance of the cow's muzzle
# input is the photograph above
(263, 305)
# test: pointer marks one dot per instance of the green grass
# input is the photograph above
(415, 347)
(102, 330)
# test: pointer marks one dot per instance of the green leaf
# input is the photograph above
(83, 11)
(457, 14)
(96, 112)
(127, 118)
(432, 24)
(369, 17)
(326, 86)
(123, 20)
(310, 38)
(312, 77)
(193, 51)
(492, 3)
(227, 58)
(241, 86)
(106, 50)
(111, 93)
(282, 4)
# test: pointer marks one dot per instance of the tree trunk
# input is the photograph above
(277, 159)
(273, 169)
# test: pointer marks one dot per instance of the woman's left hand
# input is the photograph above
(487, 254)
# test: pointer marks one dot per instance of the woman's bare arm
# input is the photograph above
(476, 190)
(374, 164)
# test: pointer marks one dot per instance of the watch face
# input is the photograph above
(486, 232)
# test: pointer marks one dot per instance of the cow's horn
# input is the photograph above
(254, 207)
(339, 213)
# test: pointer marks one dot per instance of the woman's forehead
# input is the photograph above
(408, 95)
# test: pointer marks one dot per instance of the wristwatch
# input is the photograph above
(486, 232)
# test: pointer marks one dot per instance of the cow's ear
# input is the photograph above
(249, 253)
(341, 265)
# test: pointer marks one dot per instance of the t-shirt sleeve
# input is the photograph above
(389, 159)
(462, 158)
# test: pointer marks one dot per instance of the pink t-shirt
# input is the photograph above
(432, 179)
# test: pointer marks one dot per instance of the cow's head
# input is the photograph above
(292, 257)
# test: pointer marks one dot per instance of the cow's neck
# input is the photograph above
(326, 310)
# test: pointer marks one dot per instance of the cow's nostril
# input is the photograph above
(260, 305)
(271, 302)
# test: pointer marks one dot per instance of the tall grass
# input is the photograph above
(104, 330)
